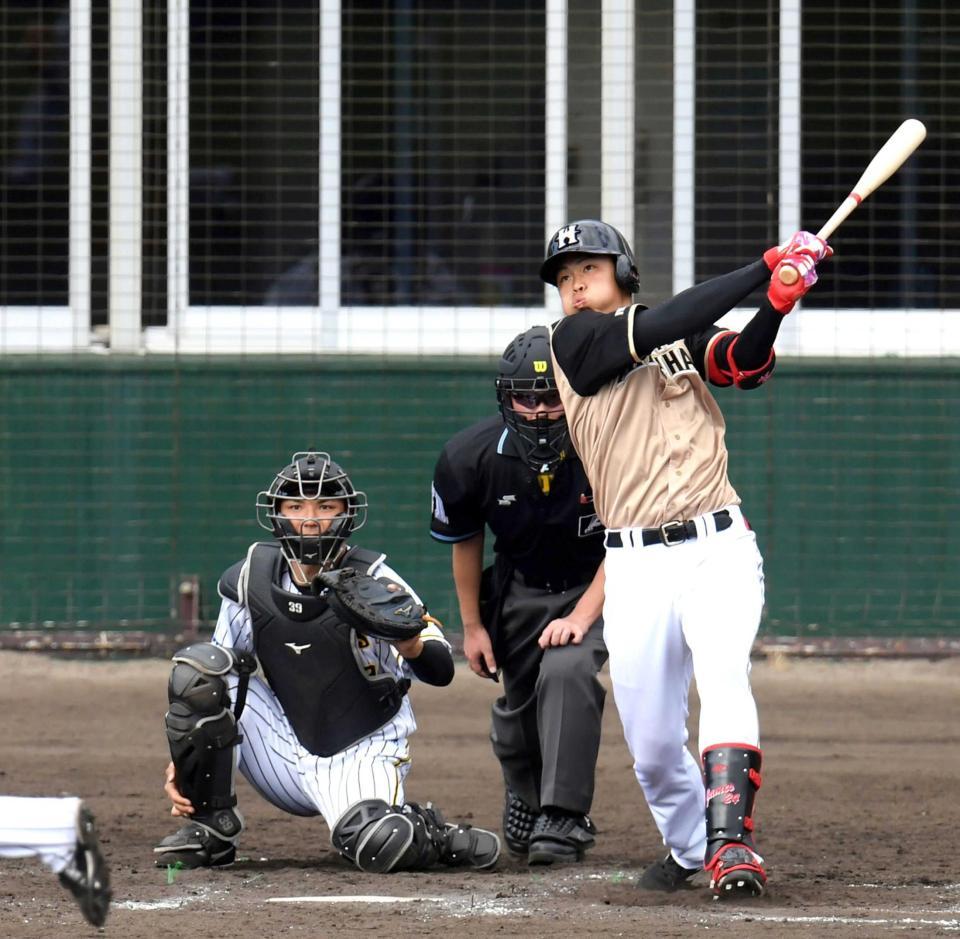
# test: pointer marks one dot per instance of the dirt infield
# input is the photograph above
(857, 818)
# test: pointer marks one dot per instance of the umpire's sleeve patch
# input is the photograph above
(439, 510)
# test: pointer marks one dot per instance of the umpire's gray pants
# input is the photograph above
(546, 725)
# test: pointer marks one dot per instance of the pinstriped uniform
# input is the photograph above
(281, 769)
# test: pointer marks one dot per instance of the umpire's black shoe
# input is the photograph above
(518, 822)
(666, 876)
(87, 876)
(559, 837)
(209, 841)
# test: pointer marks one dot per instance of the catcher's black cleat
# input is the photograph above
(737, 872)
(466, 846)
(666, 876)
(207, 843)
(457, 845)
(518, 822)
(559, 837)
(87, 876)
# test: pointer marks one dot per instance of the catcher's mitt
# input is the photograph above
(374, 607)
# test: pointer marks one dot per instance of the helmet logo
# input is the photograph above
(568, 236)
(539, 366)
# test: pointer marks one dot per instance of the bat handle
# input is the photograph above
(789, 275)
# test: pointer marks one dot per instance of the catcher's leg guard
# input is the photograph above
(201, 730)
(202, 733)
(732, 776)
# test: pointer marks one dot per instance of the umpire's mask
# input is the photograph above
(526, 370)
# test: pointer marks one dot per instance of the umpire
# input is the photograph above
(533, 616)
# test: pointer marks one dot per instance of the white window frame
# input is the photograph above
(52, 329)
(331, 328)
(417, 330)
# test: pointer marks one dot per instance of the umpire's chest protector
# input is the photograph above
(312, 660)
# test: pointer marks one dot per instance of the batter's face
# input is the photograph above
(312, 516)
(534, 404)
(587, 282)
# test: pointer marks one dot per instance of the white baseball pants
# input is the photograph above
(669, 613)
(41, 827)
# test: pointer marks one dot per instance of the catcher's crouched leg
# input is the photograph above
(202, 733)
(381, 838)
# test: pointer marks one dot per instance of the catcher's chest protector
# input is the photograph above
(312, 660)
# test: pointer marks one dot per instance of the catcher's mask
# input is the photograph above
(588, 236)
(312, 476)
(526, 369)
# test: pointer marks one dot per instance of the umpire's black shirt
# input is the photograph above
(481, 477)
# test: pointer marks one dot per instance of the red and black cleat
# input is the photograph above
(737, 872)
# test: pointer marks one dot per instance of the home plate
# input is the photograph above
(355, 899)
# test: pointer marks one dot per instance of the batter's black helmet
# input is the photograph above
(312, 475)
(588, 236)
(527, 368)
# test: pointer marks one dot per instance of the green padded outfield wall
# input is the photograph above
(119, 477)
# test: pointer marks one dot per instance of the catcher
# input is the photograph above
(306, 682)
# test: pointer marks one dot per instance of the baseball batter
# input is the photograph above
(684, 578)
(61, 832)
(317, 710)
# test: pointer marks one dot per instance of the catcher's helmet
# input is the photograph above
(527, 368)
(588, 236)
(312, 475)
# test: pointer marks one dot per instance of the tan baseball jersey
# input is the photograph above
(641, 417)
(651, 442)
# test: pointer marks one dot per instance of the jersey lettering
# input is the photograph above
(294, 606)
(672, 360)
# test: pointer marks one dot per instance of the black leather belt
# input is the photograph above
(669, 533)
(553, 584)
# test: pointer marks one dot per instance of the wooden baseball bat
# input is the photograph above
(888, 159)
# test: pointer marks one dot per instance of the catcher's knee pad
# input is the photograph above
(201, 730)
(377, 837)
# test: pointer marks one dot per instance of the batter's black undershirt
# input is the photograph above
(592, 348)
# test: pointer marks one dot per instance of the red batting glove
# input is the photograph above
(783, 296)
(801, 242)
